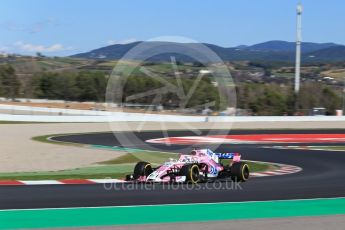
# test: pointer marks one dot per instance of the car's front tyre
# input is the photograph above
(191, 172)
(142, 169)
(239, 171)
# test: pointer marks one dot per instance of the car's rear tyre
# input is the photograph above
(239, 172)
(191, 172)
(142, 169)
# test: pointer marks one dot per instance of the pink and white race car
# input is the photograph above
(200, 165)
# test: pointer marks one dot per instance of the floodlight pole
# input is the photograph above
(298, 53)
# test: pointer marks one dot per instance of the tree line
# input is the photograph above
(81, 86)
(91, 86)
(260, 98)
(9, 83)
(276, 99)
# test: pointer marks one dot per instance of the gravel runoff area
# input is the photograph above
(19, 153)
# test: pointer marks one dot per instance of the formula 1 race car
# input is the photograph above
(201, 165)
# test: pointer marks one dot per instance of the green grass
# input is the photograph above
(127, 158)
(96, 172)
(324, 148)
(337, 148)
(155, 158)
(62, 177)
(45, 139)
(259, 167)
(254, 166)
(19, 122)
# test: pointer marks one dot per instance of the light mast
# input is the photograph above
(298, 48)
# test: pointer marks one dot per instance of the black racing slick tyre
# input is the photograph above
(239, 172)
(142, 169)
(191, 172)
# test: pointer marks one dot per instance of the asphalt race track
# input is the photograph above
(322, 177)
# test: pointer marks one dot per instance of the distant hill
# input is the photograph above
(335, 53)
(283, 46)
(266, 51)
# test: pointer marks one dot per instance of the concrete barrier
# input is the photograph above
(274, 118)
(31, 110)
(166, 118)
(113, 118)
(41, 114)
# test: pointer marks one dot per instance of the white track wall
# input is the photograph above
(39, 114)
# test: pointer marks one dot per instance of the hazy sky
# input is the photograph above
(62, 27)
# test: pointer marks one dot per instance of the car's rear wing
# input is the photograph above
(233, 156)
